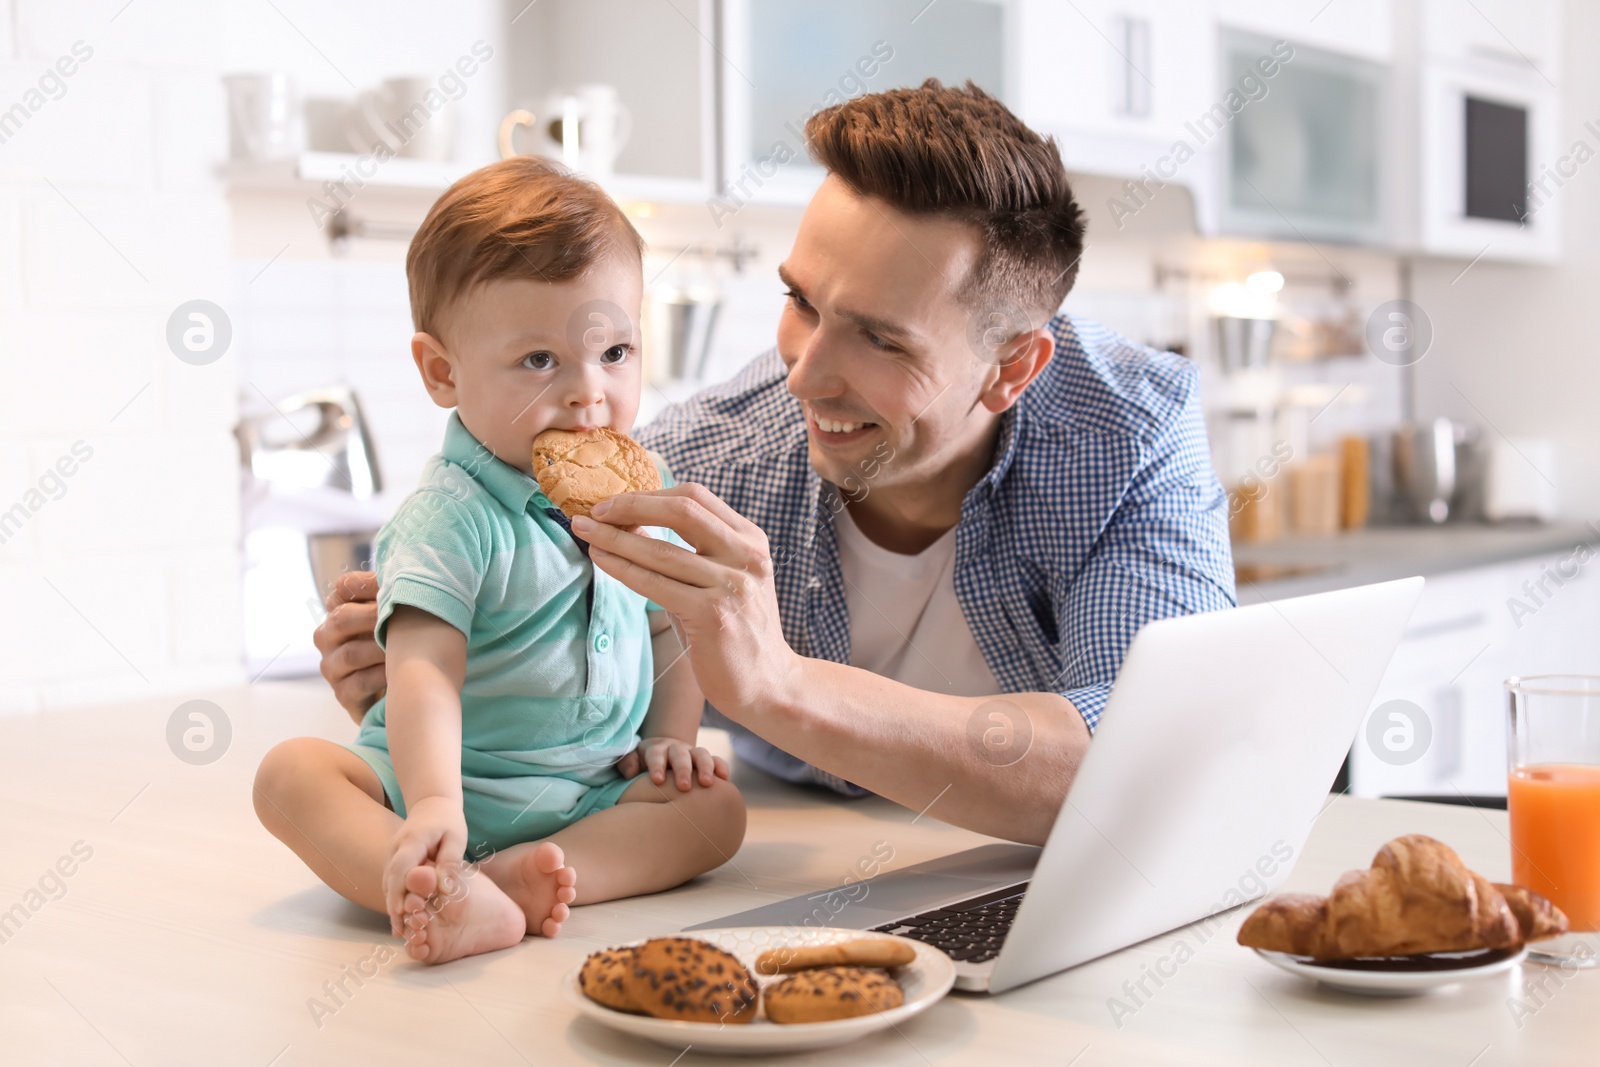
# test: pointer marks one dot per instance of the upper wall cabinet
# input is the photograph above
(1303, 156)
(1361, 28)
(1114, 81)
(1419, 126)
(1415, 126)
(1479, 129)
(1520, 36)
(1269, 112)
(783, 60)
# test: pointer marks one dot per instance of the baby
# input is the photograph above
(519, 676)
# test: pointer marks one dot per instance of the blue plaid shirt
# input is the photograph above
(1099, 513)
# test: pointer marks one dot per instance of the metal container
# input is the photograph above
(334, 553)
(1425, 469)
(1244, 343)
(334, 453)
(686, 320)
(311, 510)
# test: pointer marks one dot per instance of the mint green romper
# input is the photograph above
(558, 671)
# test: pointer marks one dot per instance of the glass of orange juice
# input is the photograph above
(1553, 798)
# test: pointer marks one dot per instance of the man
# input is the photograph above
(927, 525)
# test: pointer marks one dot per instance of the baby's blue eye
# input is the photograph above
(537, 360)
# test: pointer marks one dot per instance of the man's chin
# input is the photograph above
(848, 468)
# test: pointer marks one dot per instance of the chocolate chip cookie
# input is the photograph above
(692, 980)
(602, 976)
(825, 993)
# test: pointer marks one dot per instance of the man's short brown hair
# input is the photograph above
(522, 217)
(960, 153)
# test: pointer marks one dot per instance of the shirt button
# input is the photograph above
(602, 642)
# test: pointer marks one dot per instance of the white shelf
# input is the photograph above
(309, 170)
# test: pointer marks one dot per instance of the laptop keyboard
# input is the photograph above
(971, 930)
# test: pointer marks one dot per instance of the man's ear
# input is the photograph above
(1020, 361)
(437, 367)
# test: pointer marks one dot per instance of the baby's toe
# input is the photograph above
(550, 928)
(422, 880)
(548, 858)
(566, 894)
(566, 876)
(560, 912)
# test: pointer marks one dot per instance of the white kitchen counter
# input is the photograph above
(191, 936)
(1295, 566)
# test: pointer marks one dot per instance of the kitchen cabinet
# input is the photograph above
(1361, 28)
(1519, 35)
(1113, 80)
(1432, 727)
(1359, 139)
(1302, 156)
(782, 60)
(1519, 220)
(1374, 134)
(1471, 630)
(1272, 116)
(1477, 122)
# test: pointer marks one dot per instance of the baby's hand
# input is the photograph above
(659, 754)
(435, 830)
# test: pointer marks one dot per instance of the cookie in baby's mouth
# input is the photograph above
(577, 469)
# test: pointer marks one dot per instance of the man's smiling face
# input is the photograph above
(876, 340)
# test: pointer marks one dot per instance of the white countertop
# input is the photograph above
(191, 936)
(1296, 566)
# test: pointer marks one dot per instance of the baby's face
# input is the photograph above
(527, 356)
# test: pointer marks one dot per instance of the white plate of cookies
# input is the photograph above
(760, 989)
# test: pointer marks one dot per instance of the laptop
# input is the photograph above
(1214, 755)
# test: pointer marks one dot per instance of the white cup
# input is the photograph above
(605, 124)
(584, 129)
(395, 116)
(263, 122)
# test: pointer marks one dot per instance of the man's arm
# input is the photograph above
(998, 765)
(1165, 552)
(912, 746)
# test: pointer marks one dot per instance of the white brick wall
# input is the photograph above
(126, 581)
(112, 214)
(6, 14)
(306, 324)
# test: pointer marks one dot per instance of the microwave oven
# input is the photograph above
(1489, 168)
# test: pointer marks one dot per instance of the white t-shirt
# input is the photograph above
(905, 621)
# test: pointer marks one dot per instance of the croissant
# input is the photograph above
(1416, 897)
(1537, 917)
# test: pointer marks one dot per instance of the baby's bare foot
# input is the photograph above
(448, 916)
(537, 877)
